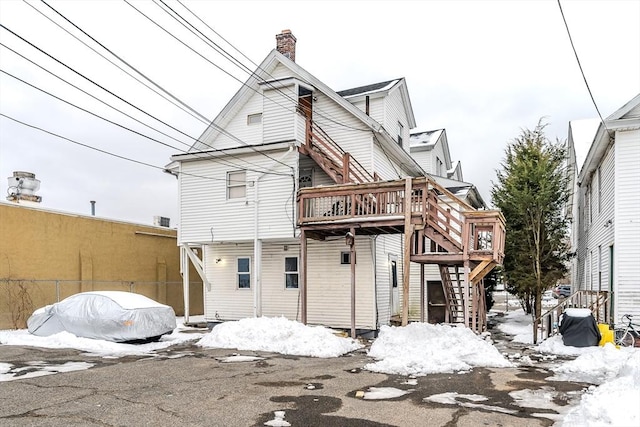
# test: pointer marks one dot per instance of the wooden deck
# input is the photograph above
(438, 227)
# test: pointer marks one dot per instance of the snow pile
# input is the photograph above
(92, 346)
(555, 345)
(614, 402)
(278, 335)
(421, 349)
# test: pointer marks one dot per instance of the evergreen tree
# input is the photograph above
(532, 192)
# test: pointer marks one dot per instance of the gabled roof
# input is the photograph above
(262, 73)
(368, 89)
(381, 89)
(426, 140)
(464, 190)
(625, 109)
(625, 118)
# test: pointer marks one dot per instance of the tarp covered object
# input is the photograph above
(109, 315)
(579, 328)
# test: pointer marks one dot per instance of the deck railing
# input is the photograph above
(351, 169)
(596, 301)
(431, 205)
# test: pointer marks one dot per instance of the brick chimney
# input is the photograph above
(286, 44)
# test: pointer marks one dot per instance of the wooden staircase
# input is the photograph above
(443, 230)
(468, 243)
(332, 159)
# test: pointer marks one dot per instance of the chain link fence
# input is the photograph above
(20, 297)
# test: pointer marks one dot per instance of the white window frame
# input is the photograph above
(254, 119)
(295, 273)
(234, 183)
(240, 273)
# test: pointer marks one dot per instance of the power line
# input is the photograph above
(206, 121)
(236, 62)
(128, 159)
(184, 108)
(582, 71)
(131, 130)
(137, 108)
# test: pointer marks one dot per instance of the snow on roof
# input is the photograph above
(583, 132)
(427, 138)
(368, 89)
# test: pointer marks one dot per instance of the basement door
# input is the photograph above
(437, 312)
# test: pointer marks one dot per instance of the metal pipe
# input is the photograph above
(93, 207)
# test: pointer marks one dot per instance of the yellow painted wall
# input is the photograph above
(82, 253)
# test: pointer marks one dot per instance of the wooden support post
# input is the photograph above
(465, 297)
(303, 276)
(474, 307)
(422, 293)
(351, 241)
(406, 265)
(346, 161)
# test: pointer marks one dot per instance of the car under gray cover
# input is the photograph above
(107, 315)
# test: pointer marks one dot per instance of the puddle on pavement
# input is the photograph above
(313, 410)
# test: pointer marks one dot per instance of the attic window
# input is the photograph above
(254, 119)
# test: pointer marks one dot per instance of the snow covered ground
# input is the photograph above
(414, 350)
(615, 373)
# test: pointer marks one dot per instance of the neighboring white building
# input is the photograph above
(605, 208)
(238, 185)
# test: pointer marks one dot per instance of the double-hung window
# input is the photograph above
(236, 185)
(291, 272)
(244, 273)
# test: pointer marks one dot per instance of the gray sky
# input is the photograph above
(481, 70)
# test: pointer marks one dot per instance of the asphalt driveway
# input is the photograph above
(191, 386)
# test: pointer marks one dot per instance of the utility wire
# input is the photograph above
(221, 161)
(132, 130)
(202, 117)
(128, 159)
(185, 109)
(137, 108)
(209, 61)
(582, 71)
(319, 112)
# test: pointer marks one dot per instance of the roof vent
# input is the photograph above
(161, 221)
(22, 187)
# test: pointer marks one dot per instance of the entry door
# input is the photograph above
(393, 280)
(437, 312)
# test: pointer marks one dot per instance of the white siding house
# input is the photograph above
(606, 209)
(237, 197)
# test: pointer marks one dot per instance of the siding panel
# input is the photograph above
(627, 223)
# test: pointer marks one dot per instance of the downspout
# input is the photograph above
(257, 243)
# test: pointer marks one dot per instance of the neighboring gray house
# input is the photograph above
(605, 208)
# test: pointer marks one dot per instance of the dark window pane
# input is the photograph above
(244, 281)
(291, 264)
(292, 281)
(243, 265)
